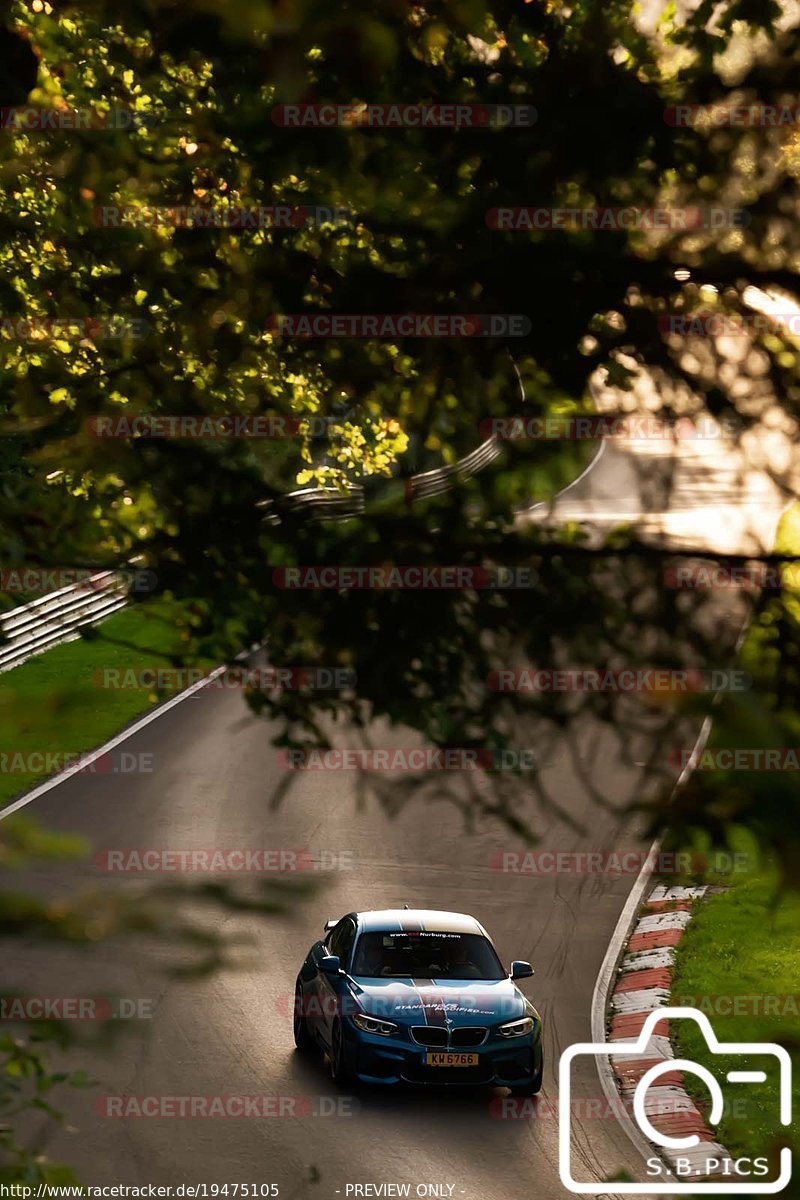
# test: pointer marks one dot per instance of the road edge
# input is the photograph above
(86, 760)
(619, 939)
(614, 952)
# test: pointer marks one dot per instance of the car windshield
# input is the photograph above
(426, 955)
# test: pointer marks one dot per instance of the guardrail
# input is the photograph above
(435, 483)
(59, 616)
(335, 504)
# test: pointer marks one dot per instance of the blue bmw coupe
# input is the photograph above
(417, 996)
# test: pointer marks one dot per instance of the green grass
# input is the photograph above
(53, 703)
(745, 943)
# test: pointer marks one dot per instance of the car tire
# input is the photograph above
(527, 1089)
(302, 1035)
(532, 1087)
(339, 1072)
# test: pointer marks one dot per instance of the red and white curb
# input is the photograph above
(642, 986)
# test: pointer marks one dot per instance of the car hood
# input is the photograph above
(436, 1001)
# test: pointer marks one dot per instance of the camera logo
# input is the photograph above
(684, 1166)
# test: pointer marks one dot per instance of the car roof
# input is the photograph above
(414, 920)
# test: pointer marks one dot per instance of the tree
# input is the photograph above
(206, 88)
(184, 111)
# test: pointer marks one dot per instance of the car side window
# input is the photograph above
(341, 940)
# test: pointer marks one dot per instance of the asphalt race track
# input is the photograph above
(214, 772)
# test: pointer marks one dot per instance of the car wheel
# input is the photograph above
(339, 1072)
(302, 1037)
(532, 1087)
(527, 1089)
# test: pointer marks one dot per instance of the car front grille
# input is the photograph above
(429, 1035)
(437, 1036)
(468, 1035)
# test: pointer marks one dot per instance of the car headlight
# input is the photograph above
(373, 1025)
(520, 1028)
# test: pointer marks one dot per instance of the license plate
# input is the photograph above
(442, 1058)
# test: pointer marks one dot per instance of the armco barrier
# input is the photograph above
(58, 616)
(333, 504)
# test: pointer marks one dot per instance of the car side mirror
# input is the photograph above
(330, 964)
(521, 969)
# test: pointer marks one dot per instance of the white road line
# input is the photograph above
(90, 757)
(87, 759)
(619, 937)
(590, 466)
(616, 946)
